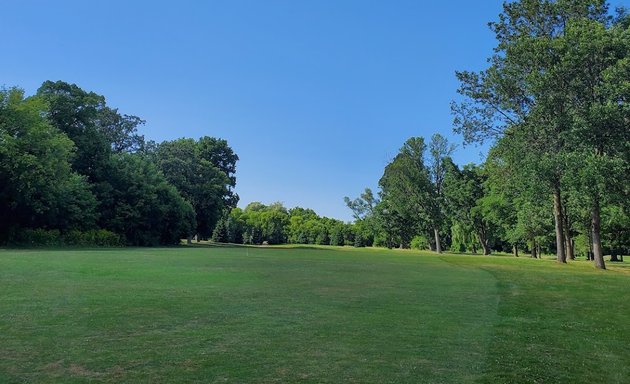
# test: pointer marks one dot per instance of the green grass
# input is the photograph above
(244, 314)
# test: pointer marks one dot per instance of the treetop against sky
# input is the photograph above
(315, 97)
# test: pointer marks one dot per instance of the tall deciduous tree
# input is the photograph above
(203, 172)
(144, 207)
(596, 57)
(525, 91)
(96, 129)
(463, 190)
(38, 188)
(439, 151)
(408, 193)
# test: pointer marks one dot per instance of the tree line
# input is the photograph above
(553, 101)
(75, 171)
(271, 224)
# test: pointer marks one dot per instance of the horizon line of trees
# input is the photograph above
(271, 224)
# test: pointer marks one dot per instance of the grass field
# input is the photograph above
(244, 314)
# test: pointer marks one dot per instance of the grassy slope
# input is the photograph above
(558, 323)
(309, 315)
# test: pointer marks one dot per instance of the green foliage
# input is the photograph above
(412, 197)
(40, 237)
(96, 129)
(462, 239)
(37, 185)
(420, 242)
(407, 193)
(144, 208)
(68, 167)
(616, 227)
(99, 237)
(363, 206)
(555, 97)
(220, 233)
(37, 237)
(203, 172)
(262, 223)
(336, 235)
(466, 199)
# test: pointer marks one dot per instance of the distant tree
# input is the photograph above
(364, 212)
(363, 206)
(408, 195)
(266, 223)
(463, 191)
(220, 232)
(439, 151)
(336, 234)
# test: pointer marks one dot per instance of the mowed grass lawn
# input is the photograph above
(244, 314)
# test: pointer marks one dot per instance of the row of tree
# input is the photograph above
(275, 224)
(554, 103)
(72, 166)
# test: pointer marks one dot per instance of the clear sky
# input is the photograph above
(314, 96)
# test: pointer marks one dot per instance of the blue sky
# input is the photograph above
(314, 96)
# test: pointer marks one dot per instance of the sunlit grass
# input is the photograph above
(308, 314)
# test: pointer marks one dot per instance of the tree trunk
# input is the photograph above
(533, 249)
(598, 255)
(515, 250)
(568, 242)
(189, 240)
(569, 248)
(561, 256)
(613, 255)
(483, 239)
(438, 246)
(474, 248)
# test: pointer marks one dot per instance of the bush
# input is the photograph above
(40, 237)
(75, 237)
(37, 237)
(420, 242)
(336, 238)
(104, 238)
